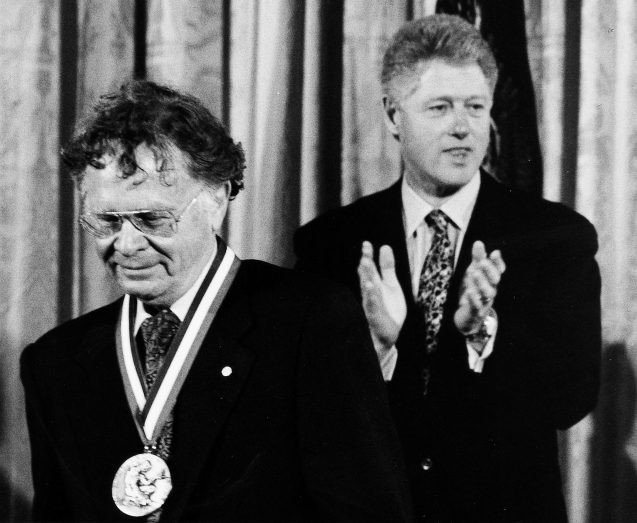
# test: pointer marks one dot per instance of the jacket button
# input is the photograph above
(426, 464)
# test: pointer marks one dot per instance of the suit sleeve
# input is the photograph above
(561, 337)
(570, 363)
(350, 451)
(49, 497)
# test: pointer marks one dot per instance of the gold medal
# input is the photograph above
(141, 484)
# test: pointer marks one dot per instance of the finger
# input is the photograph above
(464, 301)
(486, 292)
(371, 301)
(488, 268)
(387, 264)
(478, 252)
(496, 258)
(474, 301)
(367, 250)
(367, 273)
(365, 279)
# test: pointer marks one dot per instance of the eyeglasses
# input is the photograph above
(161, 223)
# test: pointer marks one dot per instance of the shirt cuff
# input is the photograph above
(477, 359)
(387, 360)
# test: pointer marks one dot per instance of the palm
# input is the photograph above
(383, 299)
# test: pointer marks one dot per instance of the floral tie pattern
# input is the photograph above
(158, 332)
(434, 282)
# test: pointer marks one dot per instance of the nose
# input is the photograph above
(460, 125)
(129, 240)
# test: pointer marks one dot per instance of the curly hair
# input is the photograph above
(143, 112)
(436, 37)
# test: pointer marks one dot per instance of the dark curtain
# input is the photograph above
(514, 155)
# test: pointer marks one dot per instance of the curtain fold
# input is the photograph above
(606, 192)
(371, 160)
(265, 215)
(105, 58)
(29, 107)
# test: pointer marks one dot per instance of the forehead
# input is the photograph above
(440, 79)
(162, 181)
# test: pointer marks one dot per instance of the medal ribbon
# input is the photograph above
(150, 413)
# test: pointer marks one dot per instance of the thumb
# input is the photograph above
(387, 264)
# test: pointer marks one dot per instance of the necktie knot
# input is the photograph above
(438, 220)
(158, 330)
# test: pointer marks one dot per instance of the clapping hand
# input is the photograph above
(480, 287)
(383, 299)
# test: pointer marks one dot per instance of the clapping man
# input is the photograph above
(483, 303)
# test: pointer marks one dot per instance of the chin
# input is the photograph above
(458, 177)
(146, 291)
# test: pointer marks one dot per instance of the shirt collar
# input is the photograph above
(458, 208)
(181, 306)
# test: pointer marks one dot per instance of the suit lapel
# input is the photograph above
(100, 421)
(213, 386)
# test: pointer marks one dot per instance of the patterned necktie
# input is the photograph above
(158, 332)
(435, 277)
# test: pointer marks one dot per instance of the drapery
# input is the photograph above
(297, 83)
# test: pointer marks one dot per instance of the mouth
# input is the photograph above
(458, 150)
(133, 270)
(458, 154)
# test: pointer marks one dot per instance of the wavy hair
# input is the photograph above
(143, 112)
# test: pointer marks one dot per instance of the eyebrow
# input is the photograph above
(149, 207)
(450, 99)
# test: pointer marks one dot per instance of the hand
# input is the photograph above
(383, 299)
(480, 287)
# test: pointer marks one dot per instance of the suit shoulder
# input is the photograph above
(343, 217)
(270, 283)
(563, 222)
(532, 206)
(550, 220)
(65, 337)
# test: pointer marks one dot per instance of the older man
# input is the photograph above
(215, 389)
(485, 355)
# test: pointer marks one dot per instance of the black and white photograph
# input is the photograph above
(318, 261)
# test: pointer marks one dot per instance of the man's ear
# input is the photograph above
(392, 116)
(221, 196)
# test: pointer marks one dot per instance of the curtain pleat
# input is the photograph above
(606, 192)
(29, 107)
(268, 62)
(185, 45)
(106, 57)
(371, 160)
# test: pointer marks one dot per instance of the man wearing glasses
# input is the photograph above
(215, 389)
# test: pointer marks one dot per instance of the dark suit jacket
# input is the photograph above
(300, 431)
(490, 438)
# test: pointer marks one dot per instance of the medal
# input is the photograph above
(142, 483)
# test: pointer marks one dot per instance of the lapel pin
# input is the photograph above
(226, 371)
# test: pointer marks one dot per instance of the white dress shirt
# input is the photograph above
(419, 236)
